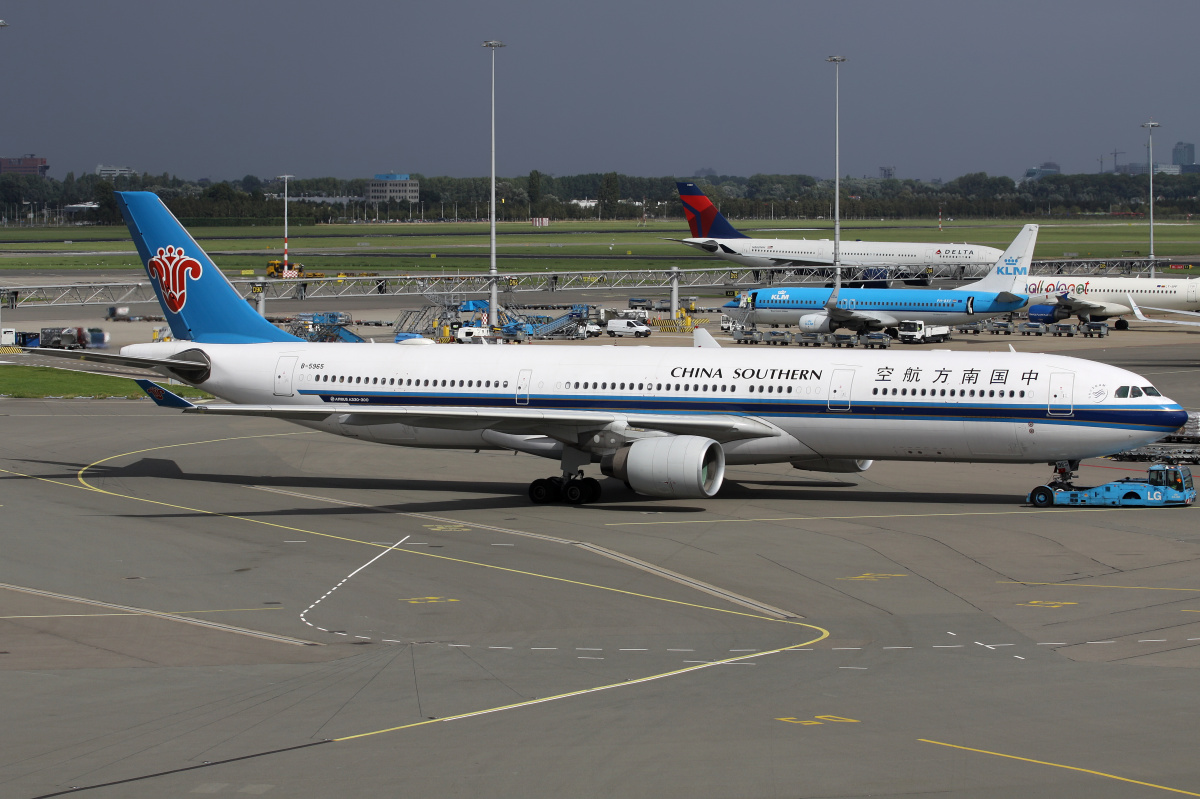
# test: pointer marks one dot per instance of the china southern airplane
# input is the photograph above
(665, 420)
(820, 310)
(1095, 299)
(712, 233)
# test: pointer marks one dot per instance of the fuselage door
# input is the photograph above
(839, 389)
(1062, 384)
(1191, 286)
(523, 380)
(283, 375)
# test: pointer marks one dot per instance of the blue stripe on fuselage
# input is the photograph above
(1165, 418)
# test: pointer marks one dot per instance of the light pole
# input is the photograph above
(285, 178)
(837, 61)
(494, 299)
(1150, 126)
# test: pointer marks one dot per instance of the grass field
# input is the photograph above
(43, 381)
(563, 246)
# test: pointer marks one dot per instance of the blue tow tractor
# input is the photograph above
(1165, 484)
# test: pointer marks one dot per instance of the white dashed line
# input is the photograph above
(467, 646)
(1054, 643)
(847, 647)
(637, 650)
(499, 647)
(1152, 640)
(536, 648)
(948, 646)
(857, 668)
(587, 657)
(343, 582)
(1101, 642)
(897, 647)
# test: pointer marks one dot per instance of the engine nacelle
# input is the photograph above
(837, 465)
(1048, 314)
(816, 323)
(680, 467)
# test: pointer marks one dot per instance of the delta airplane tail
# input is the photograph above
(1011, 270)
(703, 217)
(199, 302)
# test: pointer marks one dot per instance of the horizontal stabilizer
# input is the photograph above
(162, 397)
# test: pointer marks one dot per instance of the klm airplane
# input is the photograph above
(821, 310)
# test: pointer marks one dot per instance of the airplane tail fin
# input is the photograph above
(1011, 271)
(200, 304)
(703, 217)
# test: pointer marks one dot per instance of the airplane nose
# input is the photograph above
(1175, 416)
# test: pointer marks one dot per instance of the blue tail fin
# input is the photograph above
(703, 217)
(199, 303)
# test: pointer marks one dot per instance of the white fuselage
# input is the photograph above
(1113, 292)
(817, 252)
(920, 405)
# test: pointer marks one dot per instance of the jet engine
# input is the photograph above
(1048, 314)
(677, 467)
(836, 465)
(816, 323)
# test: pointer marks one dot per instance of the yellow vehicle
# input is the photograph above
(275, 269)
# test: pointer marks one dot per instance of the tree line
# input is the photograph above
(611, 196)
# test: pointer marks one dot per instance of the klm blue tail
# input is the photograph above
(703, 217)
(199, 303)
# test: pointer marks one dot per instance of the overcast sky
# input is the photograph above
(224, 88)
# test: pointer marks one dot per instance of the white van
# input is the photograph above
(627, 327)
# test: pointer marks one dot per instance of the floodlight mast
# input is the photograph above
(837, 61)
(494, 299)
(1151, 125)
(285, 179)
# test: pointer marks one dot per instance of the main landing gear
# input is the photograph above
(574, 490)
(1064, 473)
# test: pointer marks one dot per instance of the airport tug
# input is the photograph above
(1165, 484)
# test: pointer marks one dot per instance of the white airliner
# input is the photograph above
(1094, 299)
(664, 420)
(712, 233)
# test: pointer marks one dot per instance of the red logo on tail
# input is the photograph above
(171, 268)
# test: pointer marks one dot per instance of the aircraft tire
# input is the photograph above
(574, 493)
(1121, 324)
(592, 490)
(542, 492)
(1041, 497)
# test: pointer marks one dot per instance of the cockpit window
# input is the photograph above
(1134, 392)
(1122, 392)
(1151, 391)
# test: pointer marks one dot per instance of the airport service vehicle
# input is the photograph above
(471, 335)
(627, 327)
(662, 305)
(821, 310)
(726, 323)
(666, 420)
(917, 332)
(1064, 329)
(712, 233)
(641, 302)
(1095, 299)
(1165, 484)
(998, 326)
(64, 338)
(1094, 329)
(8, 337)
(1032, 329)
(591, 330)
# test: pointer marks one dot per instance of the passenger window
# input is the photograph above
(1122, 392)
(789, 389)
(1134, 392)
(893, 392)
(1022, 393)
(972, 392)
(506, 384)
(751, 389)
(922, 392)
(875, 390)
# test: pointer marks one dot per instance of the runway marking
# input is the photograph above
(215, 625)
(1060, 765)
(347, 577)
(1045, 603)
(628, 560)
(1092, 585)
(585, 691)
(871, 516)
(84, 485)
(172, 612)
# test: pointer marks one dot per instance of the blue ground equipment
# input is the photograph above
(1165, 484)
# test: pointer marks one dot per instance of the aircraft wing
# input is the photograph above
(558, 424)
(1138, 313)
(1076, 304)
(855, 317)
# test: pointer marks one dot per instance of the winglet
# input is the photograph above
(162, 397)
(702, 338)
(1136, 310)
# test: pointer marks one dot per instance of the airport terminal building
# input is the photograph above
(392, 188)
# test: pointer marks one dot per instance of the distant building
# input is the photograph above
(1142, 169)
(1183, 154)
(25, 165)
(114, 172)
(392, 188)
(1047, 168)
(887, 172)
